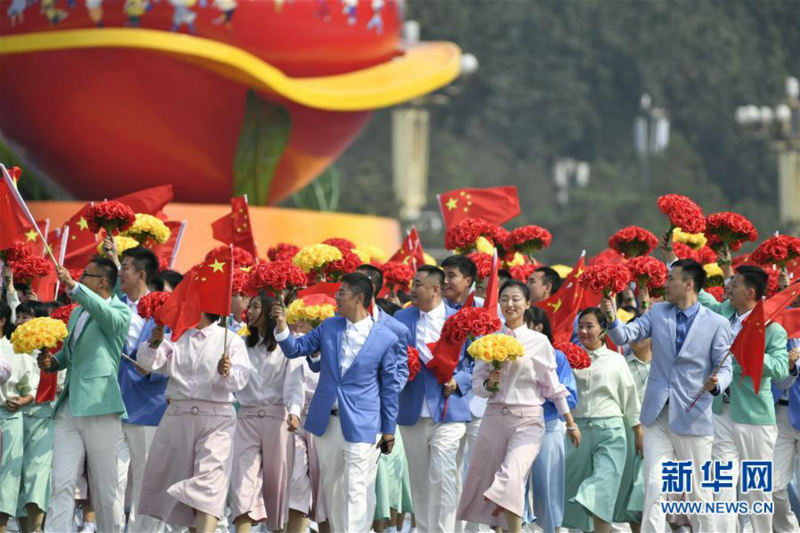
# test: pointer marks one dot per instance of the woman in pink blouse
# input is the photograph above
(513, 425)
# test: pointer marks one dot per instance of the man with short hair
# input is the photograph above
(543, 283)
(690, 344)
(88, 412)
(356, 399)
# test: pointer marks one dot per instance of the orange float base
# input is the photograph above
(270, 224)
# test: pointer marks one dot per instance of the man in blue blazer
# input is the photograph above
(356, 399)
(142, 392)
(431, 435)
(690, 344)
(786, 457)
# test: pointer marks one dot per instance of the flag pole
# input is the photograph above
(25, 210)
(177, 244)
(703, 390)
(61, 253)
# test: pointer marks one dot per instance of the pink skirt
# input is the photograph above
(263, 454)
(189, 464)
(304, 493)
(508, 442)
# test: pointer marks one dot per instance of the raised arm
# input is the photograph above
(111, 319)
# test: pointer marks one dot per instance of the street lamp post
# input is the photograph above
(567, 171)
(650, 135)
(781, 127)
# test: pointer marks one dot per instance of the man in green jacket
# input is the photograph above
(89, 410)
(744, 422)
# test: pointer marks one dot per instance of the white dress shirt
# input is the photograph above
(429, 329)
(137, 323)
(737, 322)
(191, 364)
(275, 380)
(527, 380)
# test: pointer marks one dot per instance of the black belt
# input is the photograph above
(783, 402)
(334, 412)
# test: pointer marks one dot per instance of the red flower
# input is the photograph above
(343, 245)
(334, 270)
(483, 262)
(30, 267)
(647, 270)
(716, 292)
(469, 322)
(682, 212)
(62, 313)
(397, 275)
(523, 272)
(607, 257)
(608, 279)
(239, 281)
(150, 303)
(633, 241)
(414, 364)
(728, 229)
(282, 252)
(773, 279)
(528, 239)
(241, 257)
(777, 250)
(111, 216)
(15, 252)
(462, 236)
(704, 255)
(499, 236)
(576, 356)
(274, 277)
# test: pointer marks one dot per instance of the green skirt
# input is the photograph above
(593, 472)
(37, 463)
(631, 490)
(11, 465)
(392, 484)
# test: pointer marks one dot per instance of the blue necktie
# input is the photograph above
(680, 331)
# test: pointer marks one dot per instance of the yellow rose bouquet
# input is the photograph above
(311, 309)
(316, 257)
(695, 241)
(496, 349)
(148, 230)
(42, 333)
(123, 243)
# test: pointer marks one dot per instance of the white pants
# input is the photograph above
(737, 442)
(138, 440)
(662, 444)
(347, 473)
(786, 461)
(473, 427)
(99, 440)
(432, 453)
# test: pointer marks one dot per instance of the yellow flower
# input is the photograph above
(496, 349)
(563, 270)
(311, 314)
(518, 260)
(714, 275)
(695, 241)
(148, 228)
(484, 245)
(123, 243)
(363, 256)
(316, 256)
(375, 253)
(39, 333)
(429, 260)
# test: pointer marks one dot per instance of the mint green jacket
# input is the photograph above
(91, 386)
(746, 406)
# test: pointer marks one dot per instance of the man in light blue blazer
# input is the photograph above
(432, 435)
(786, 461)
(356, 399)
(690, 345)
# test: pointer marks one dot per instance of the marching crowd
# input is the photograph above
(250, 420)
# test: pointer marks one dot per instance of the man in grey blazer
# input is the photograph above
(690, 344)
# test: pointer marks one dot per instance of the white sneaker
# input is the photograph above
(89, 527)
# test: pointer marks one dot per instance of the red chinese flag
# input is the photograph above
(14, 225)
(492, 289)
(493, 204)
(563, 306)
(235, 228)
(776, 305)
(167, 250)
(410, 251)
(148, 201)
(750, 344)
(790, 320)
(325, 288)
(46, 389)
(206, 288)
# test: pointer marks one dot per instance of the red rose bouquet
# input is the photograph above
(528, 239)
(633, 241)
(704, 255)
(777, 250)
(414, 366)
(499, 236)
(15, 252)
(344, 245)
(239, 281)
(683, 213)
(717, 292)
(150, 303)
(608, 279)
(576, 356)
(773, 282)
(468, 323)
(334, 270)
(111, 216)
(30, 267)
(397, 276)
(523, 272)
(275, 277)
(648, 271)
(727, 232)
(282, 252)
(62, 313)
(241, 257)
(462, 236)
(483, 262)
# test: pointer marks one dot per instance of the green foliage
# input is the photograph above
(564, 79)
(322, 194)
